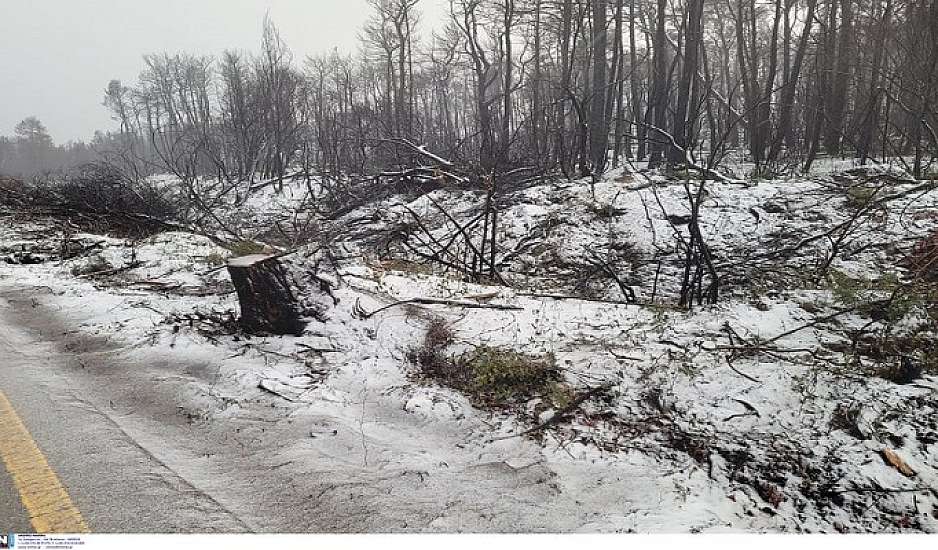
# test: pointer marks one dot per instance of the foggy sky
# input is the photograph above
(57, 56)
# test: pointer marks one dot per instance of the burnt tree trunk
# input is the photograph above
(267, 303)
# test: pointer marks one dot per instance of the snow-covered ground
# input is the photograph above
(705, 429)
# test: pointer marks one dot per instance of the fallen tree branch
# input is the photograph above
(818, 321)
(362, 314)
(261, 385)
(114, 271)
(419, 149)
(262, 184)
(566, 297)
(750, 410)
(729, 363)
(688, 158)
(562, 413)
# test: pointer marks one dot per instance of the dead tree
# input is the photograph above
(697, 258)
(267, 303)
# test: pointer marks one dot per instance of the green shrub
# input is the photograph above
(561, 395)
(860, 196)
(845, 288)
(493, 377)
(869, 294)
(900, 353)
(502, 375)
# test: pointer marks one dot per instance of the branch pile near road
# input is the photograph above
(210, 324)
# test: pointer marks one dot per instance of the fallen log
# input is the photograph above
(267, 303)
(107, 272)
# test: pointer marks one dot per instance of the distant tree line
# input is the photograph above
(31, 150)
(569, 87)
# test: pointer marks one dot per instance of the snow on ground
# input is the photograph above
(699, 434)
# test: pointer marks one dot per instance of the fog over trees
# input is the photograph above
(31, 150)
(562, 85)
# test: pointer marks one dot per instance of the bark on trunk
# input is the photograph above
(658, 101)
(267, 303)
(682, 126)
(598, 124)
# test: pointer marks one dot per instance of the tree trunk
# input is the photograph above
(536, 111)
(634, 86)
(833, 137)
(680, 128)
(784, 134)
(658, 100)
(615, 94)
(871, 117)
(564, 91)
(763, 111)
(267, 303)
(504, 153)
(598, 124)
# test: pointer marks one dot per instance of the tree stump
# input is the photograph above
(267, 303)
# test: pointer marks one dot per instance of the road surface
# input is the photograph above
(113, 480)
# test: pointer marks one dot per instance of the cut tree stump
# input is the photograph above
(267, 303)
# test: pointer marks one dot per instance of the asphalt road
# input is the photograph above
(114, 481)
(13, 517)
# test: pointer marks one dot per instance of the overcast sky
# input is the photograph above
(57, 56)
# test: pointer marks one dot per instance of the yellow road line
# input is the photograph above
(45, 499)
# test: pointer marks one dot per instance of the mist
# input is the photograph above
(59, 55)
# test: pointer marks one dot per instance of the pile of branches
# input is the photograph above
(418, 172)
(415, 172)
(95, 197)
(210, 324)
(345, 194)
(923, 262)
(468, 248)
(11, 193)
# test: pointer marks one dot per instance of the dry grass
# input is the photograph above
(430, 356)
